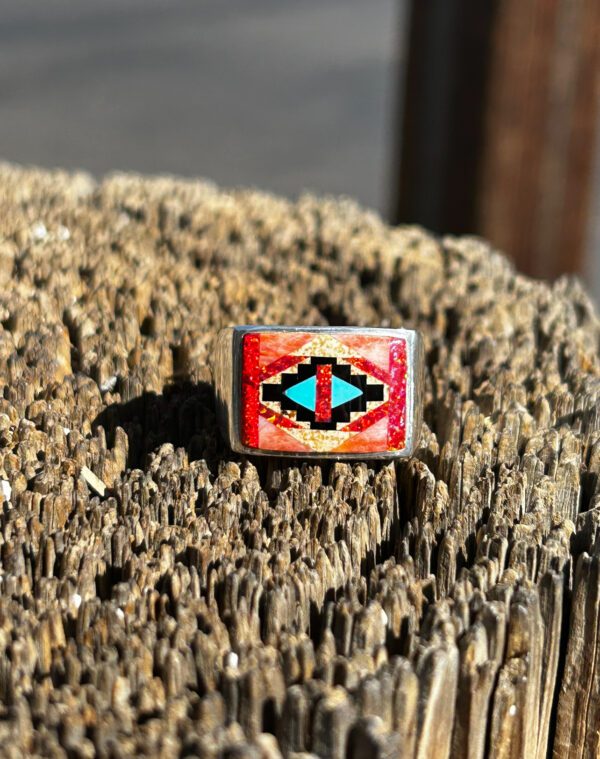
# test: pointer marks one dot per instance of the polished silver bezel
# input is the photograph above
(228, 384)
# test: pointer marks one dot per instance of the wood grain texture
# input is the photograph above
(160, 595)
(536, 190)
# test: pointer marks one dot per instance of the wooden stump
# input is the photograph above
(160, 595)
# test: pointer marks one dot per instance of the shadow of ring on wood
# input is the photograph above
(183, 415)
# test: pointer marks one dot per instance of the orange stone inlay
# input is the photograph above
(323, 392)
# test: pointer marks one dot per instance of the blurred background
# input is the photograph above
(466, 116)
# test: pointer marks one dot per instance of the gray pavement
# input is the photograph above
(286, 95)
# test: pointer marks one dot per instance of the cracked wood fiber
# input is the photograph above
(160, 595)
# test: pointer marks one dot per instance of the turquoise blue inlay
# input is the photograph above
(342, 391)
(304, 393)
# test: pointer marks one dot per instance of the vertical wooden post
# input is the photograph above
(499, 125)
(440, 138)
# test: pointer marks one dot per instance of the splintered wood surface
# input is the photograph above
(162, 596)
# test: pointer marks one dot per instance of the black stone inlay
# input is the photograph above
(340, 414)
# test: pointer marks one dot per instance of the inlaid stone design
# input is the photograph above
(323, 392)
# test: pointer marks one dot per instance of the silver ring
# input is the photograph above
(320, 392)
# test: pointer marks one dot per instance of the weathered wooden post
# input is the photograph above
(162, 596)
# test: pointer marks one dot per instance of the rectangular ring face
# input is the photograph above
(325, 392)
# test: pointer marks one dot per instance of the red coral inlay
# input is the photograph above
(366, 420)
(279, 419)
(323, 402)
(250, 389)
(397, 414)
(279, 365)
(370, 368)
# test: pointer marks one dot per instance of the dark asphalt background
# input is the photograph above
(282, 94)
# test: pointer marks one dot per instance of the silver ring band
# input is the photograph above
(320, 392)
